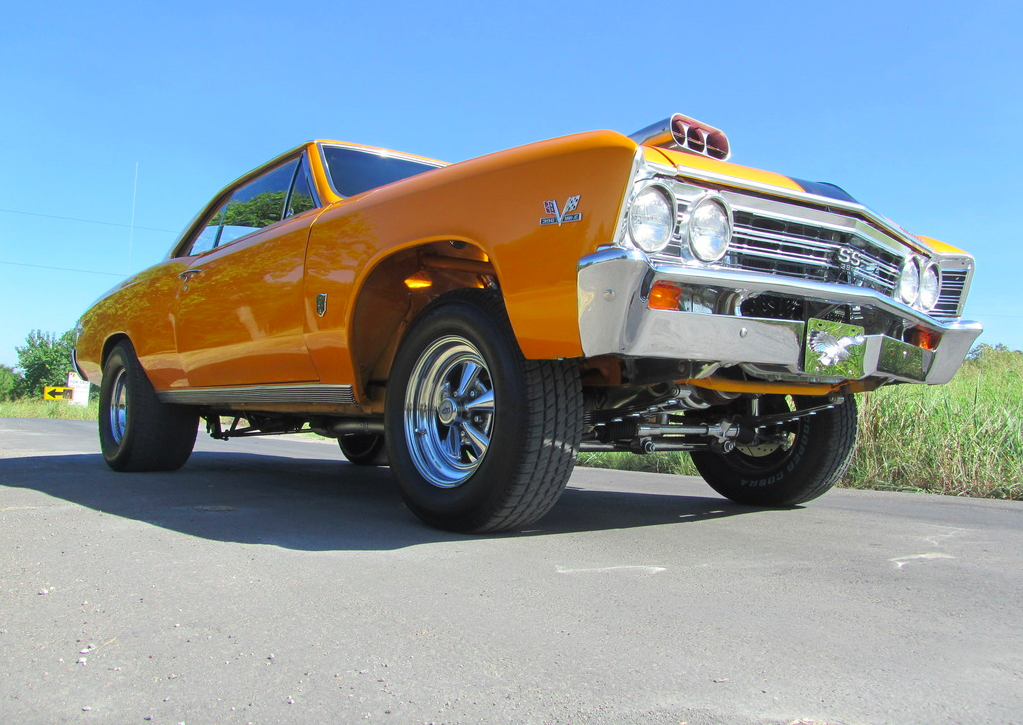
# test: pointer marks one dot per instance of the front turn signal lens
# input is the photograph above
(665, 296)
(923, 338)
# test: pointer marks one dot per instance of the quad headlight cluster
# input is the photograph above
(919, 283)
(706, 227)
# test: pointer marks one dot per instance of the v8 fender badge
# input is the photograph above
(561, 217)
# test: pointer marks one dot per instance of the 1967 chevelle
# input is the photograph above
(476, 325)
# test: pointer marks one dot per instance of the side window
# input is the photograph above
(302, 198)
(257, 204)
(207, 238)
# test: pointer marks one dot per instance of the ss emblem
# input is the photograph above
(851, 257)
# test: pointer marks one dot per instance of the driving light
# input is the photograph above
(709, 228)
(930, 287)
(652, 218)
(908, 286)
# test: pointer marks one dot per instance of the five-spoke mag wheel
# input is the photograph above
(479, 438)
(449, 404)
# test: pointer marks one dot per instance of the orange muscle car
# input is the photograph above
(475, 325)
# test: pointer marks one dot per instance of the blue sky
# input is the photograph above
(914, 107)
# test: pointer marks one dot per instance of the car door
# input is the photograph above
(240, 318)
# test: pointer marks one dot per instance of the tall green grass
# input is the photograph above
(26, 408)
(964, 438)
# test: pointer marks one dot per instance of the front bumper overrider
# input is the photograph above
(614, 318)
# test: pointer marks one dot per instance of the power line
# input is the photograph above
(87, 221)
(65, 269)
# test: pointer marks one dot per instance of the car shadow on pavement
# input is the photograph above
(316, 505)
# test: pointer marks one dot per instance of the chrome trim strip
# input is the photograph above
(753, 282)
(321, 394)
(641, 170)
(649, 133)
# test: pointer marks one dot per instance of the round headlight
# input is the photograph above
(710, 229)
(908, 288)
(930, 287)
(652, 219)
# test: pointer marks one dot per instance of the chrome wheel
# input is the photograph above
(119, 406)
(137, 432)
(449, 411)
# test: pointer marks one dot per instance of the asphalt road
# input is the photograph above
(268, 581)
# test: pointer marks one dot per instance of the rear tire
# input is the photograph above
(136, 431)
(479, 438)
(817, 456)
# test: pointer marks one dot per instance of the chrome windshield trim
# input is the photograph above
(372, 151)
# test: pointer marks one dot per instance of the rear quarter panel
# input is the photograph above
(142, 309)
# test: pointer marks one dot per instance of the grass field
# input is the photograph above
(961, 439)
(25, 408)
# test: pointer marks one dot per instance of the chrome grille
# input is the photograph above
(815, 244)
(766, 244)
(953, 284)
(763, 243)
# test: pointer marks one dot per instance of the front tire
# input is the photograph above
(136, 431)
(816, 456)
(479, 438)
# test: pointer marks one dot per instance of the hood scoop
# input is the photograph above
(682, 133)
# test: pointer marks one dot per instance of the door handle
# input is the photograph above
(187, 274)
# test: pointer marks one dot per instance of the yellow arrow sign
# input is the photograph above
(58, 393)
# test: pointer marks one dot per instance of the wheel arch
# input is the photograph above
(108, 346)
(398, 286)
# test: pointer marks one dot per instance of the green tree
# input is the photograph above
(984, 351)
(45, 360)
(10, 383)
(259, 211)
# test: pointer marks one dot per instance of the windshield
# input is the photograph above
(353, 171)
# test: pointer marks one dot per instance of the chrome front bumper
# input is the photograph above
(614, 319)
